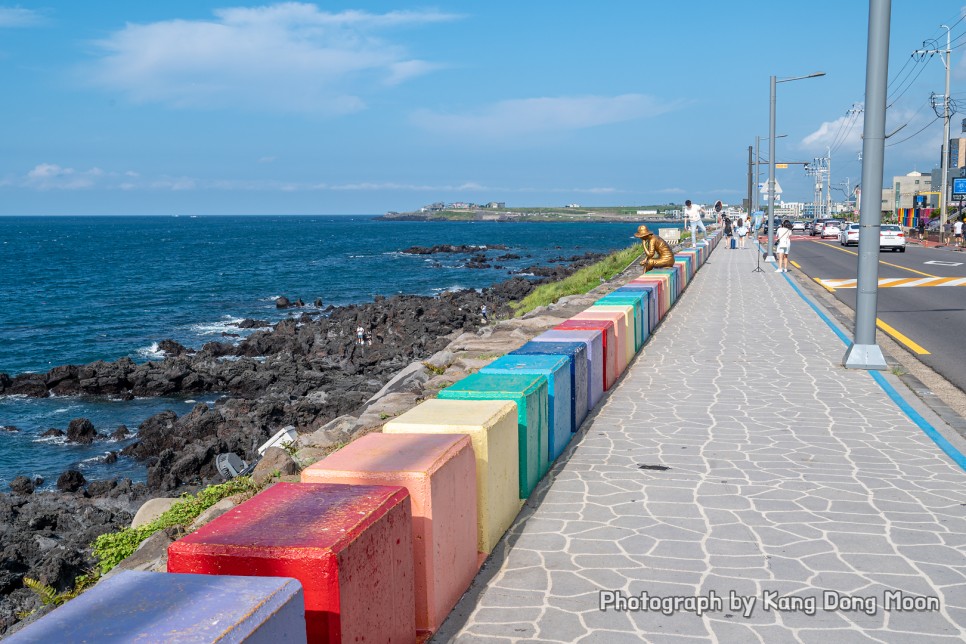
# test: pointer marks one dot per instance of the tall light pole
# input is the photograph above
(945, 188)
(864, 353)
(758, 140)
(769, 253)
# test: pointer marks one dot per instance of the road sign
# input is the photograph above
(763, 188)
(781, 165)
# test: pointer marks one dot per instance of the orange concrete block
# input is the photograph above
(439, 470)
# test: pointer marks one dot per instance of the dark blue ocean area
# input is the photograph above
(79, 289)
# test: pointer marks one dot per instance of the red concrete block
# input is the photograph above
(349, 546)
(439, 470)
(621, 330)
(609, 334)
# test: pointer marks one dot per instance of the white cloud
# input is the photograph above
(50, 176)
(520, 117)
(19, 17)
(843, 133)
(290, 57)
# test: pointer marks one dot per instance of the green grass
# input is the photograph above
(580, 282)
(112, 548)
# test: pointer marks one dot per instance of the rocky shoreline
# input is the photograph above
(309, 372)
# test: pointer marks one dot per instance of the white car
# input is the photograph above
(892, 237)
(831, 229)
(849, 235)
(798, 227)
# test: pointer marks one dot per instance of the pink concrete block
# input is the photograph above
(439, 470)
(350, 546)
(621, 330)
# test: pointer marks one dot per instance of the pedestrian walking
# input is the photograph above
(922, 228)
(729, 231)
(692, 215)
(783, 237)
(483, 313)
(742, 233)
(958, 232)
(360, 335)
(947, 233)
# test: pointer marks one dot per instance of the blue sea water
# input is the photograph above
(78, 289)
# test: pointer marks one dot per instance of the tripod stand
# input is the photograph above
(758, 268)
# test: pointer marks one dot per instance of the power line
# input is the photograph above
(938, 118)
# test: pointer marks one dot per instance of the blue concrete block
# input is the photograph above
(594, 342)
(556, 369)
(173, 608)
(576, 352)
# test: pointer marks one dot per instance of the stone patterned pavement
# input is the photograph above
(788, 476)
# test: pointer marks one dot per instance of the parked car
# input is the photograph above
(892, 237)
(798, 227)
(849, 235)
(832, 228)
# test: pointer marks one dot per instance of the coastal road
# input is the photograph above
(921, 297)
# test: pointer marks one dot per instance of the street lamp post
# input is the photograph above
(769, 253)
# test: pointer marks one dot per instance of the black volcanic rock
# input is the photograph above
(70, 481)
(22, 485)
(53, 432)
(81, 430)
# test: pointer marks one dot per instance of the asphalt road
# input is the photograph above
(928, 320)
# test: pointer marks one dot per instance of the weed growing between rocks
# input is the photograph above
(112, 548)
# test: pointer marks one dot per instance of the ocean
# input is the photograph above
(79, 289)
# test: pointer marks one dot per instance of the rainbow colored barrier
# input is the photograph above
(560, 395)
(529, 392)
(593, 341)
(439, 471)
(640, 301)
(350, 546)
(608, 337)
(491, 426)
(157, 607)
(576, 354)
(377, 542)
(623, 332)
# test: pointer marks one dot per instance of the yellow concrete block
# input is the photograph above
(628, 312)
(492, 428)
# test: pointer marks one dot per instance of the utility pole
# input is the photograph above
(944, 190)
(751, 186)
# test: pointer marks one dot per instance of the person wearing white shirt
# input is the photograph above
(692, 215)
(958, 232)
(783, 236)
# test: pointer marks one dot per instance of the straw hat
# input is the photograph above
(642, 231)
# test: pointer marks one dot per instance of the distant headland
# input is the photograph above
(499, 211)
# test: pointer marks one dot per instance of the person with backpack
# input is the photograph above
(729, 231)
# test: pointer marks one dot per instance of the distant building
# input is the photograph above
(906, 187)
(573, 205)
(499, 205)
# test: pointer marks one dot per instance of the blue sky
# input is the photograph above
(234, 107)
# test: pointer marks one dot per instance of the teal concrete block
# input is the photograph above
(530, 393)
(594, 342)
(560, 398)
(177, 609)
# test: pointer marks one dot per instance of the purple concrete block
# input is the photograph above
(161, 607)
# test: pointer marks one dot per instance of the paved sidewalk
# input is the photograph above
(787, 475)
